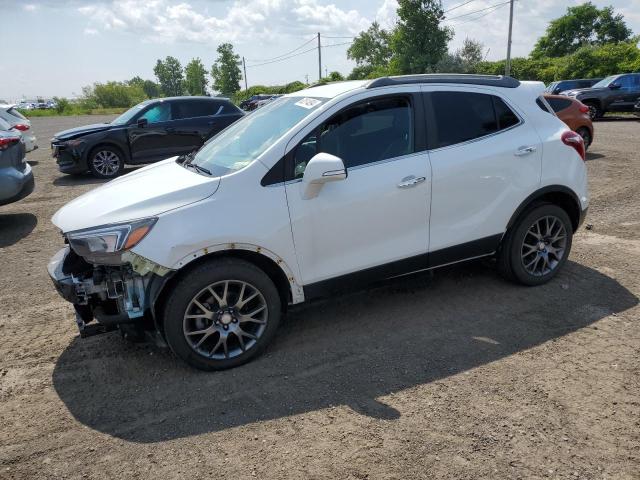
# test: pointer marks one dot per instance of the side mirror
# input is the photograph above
(142, 122)
(614, 86)
(321, 169)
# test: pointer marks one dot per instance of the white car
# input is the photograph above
(20, 123)
(319, 191)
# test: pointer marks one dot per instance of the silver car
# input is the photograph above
(19, 122)
(16, 177)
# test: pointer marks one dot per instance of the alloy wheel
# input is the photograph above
(106, 163)
(225, 319)
(544, 246)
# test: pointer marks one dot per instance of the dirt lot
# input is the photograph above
(457, 376)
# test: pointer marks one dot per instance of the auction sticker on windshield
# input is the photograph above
(308, 102)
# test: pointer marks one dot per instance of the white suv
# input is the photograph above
(321, 190)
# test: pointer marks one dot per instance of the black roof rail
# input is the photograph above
(490, 80)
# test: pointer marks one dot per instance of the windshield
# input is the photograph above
(129, 114)
(240, 144)
(551, 86)
(605, 82)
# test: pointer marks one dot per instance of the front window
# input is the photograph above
(244, 141)
(605, 82)
(127, 116)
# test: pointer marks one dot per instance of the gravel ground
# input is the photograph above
(456, 375)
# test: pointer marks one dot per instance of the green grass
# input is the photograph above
(74, 110)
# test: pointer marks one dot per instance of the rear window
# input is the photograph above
(464, 116)
(16, 113)
(558, 104)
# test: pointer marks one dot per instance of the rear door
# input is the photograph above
(485, 160)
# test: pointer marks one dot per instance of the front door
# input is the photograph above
(377, 218)
(485, 161)
(155, 140)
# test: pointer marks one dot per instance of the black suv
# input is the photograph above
(617, 93)
(152, 130)
(554, 88)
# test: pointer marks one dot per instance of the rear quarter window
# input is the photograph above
(16, 113)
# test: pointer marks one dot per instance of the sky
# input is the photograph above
(55, 47)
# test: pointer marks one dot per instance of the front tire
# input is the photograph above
(537, 246)
(221, 314)
(595, 111)
(106, 162)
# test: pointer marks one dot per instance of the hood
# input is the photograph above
(578, 91)
(146, 192)
(79, 131)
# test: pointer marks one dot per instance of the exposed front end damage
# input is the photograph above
(113, 295)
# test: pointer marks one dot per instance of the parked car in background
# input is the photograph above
(252, 102)
(319, 191)
(152, 130)
(575, 114)
(19, 122)
(558, 86)
(16, 177)
(617, 93)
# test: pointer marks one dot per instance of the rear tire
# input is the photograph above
(586, 136)
(222, 314)
(535, 249)
(106, 161)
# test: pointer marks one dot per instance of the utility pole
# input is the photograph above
(244, 67)
(306, 78)
(507, 70)
(326, 72)
(319, 59)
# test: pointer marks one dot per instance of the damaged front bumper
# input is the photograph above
(112, 295)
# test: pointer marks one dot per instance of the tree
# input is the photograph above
(113, 95)
(464, 60)
(150, 88)
(419, 41)
(169, 74)
(582, 25)
(371, 47)
(196, 80)
(226, 71)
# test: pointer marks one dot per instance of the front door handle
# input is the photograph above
(525, 151)
(411, 181)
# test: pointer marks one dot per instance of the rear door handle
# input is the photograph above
(525, 151)
(411, 181)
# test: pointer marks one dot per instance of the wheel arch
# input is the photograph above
(559, 195)
(107, 143)
(273, 266)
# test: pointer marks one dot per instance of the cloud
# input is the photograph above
(167, 21)
(30, 7)
(91, 31)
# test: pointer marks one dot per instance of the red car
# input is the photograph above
(575, 114)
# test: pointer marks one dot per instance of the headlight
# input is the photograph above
(95, 244)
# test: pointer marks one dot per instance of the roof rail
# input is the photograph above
(490, 80)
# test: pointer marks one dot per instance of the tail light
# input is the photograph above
(574, 140)
(6, 142)
(583, 108)
(22, 127)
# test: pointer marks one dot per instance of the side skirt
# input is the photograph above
(439, 258)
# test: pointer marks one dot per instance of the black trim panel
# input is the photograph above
(352, 281)
(466, 79)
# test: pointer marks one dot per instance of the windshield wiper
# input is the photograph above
(198, 168)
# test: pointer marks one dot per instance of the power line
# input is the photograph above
(336, 44)
(459, 5)
(283, 59)
(478, 11)
(332, 36)
(483, 15)
(284, 54)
